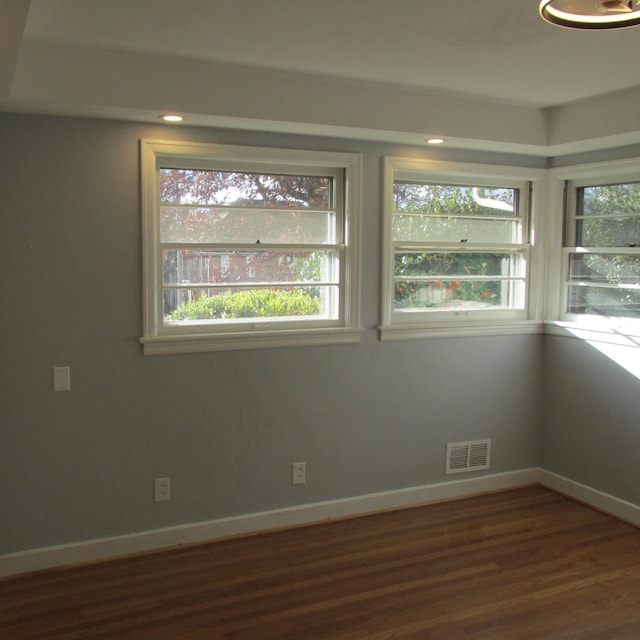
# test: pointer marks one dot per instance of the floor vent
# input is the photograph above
(463, 457)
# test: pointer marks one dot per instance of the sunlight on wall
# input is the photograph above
(622, 348)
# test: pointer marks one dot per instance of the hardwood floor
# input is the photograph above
(523, 564)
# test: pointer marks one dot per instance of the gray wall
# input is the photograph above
(591, 428)
(591, 410)
(224, 426)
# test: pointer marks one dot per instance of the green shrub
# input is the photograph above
(255, 303)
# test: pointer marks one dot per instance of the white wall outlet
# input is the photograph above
(162, 490)
(61, 378)
(298, 473)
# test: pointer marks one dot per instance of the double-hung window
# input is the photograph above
(248, 247)
(457, 247)
(601, 256)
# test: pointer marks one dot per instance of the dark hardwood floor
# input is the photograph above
(519, 564)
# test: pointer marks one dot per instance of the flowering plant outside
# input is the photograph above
(455, 290)
(446, 294)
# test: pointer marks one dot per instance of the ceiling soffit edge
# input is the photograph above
(73, 80)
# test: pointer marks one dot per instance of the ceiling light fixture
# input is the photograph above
(172, 118)
(591, 14)
(435, 140)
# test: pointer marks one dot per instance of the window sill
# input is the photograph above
(624, 335)
(167, 345)
(447, 330)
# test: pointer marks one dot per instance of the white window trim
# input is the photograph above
(557, 321)
(454, 324)
(157, 341)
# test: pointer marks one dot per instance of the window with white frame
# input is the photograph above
(457, 246)
(601, 254)
(248, 247)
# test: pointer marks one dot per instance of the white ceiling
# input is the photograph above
(484, 73)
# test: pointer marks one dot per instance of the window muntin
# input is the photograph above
(240, 240)
(457, 247)
(602, 254)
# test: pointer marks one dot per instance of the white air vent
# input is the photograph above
(463, 457)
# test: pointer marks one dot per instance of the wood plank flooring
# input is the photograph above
(523, 564)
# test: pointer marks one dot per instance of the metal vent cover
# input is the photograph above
(463, 457)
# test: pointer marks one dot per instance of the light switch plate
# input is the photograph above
(61, 378)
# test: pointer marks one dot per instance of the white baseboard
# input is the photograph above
(605, 502)
(103, 548)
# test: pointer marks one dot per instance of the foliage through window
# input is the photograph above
(249, 243)
(602, 256)
(457, 245)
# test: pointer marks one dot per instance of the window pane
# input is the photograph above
(432, 198)
(604, 301)
(608, 232)
(605, 268)
(601, 283)
(228, 188)
(456, 294)
(228, 305)
(423, 228)
(609, 199)
(245, 267)
(457, 265)
(200, 224)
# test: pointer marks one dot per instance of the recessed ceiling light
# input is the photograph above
(170, 117)
(591, 14)
(435, 140)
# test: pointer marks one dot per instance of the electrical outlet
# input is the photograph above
(162, 490)
(298, 473)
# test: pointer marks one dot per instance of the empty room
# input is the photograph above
(319, 320)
